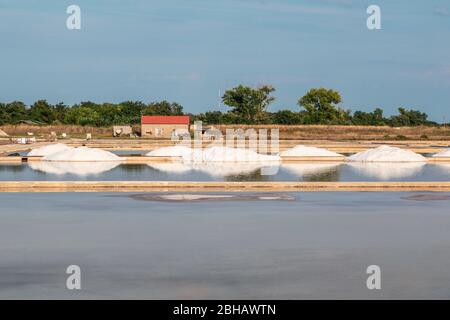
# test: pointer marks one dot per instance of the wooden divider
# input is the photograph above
(221, 186)
(145, 159)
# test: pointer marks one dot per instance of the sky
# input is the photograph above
(191, 51)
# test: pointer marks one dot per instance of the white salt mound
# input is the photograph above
(82, 154)
(386, 154)
(48, 150)
(212, 154)
(443, 154)
(173, 151)
(226, 154)
(304, 151)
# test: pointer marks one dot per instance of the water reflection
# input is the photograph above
(75, 168)
(314, 171)
(216, 169)
(386, 170)
(444, 167)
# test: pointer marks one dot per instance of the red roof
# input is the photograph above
(165, 120)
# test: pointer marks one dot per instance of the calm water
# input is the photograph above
(227, 172)
(316, 246)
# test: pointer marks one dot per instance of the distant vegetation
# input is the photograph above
(247, 106)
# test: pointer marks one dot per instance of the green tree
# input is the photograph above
(164, 108)
(42, 112)
(60, 110)
(320, 105)
(287, 117)
(409, 118)
(132, 111)
(250, 104)
(374, 118)
(15, 112)
(82, 115)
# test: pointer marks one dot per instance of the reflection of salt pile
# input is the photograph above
(306, 169)
(387, 171)
(304, 151)
(443, 154)
(386, 154)
(444, 167)
(215, 169)
(76, 168)
(82, 154)
(171, 167)
(48, 150)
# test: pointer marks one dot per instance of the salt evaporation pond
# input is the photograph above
(114, 171)
(317, 246)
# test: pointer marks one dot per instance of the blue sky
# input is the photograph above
(186, 51)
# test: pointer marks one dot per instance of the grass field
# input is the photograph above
(312, 132)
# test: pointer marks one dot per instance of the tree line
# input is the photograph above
(247, 106)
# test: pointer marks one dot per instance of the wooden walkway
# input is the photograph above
(221, 186)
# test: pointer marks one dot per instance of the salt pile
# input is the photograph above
(174, 151)
(74, 168)
(443, 154)
(386, 154)
(82, 154)
(49, 149)
(226, 154)
(387, 171)
(212, 154)
(304, 151)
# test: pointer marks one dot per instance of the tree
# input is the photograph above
(132, 111)
(374, 118)
(42, 112)
(82, 115)
(409, 118)
(249, 103)
(15, 111)
(60, 110)
(287, 117)
(320, 106)
(164, 108)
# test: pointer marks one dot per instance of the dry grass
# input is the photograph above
(312, 132)
(352, 132)
(23, 129)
